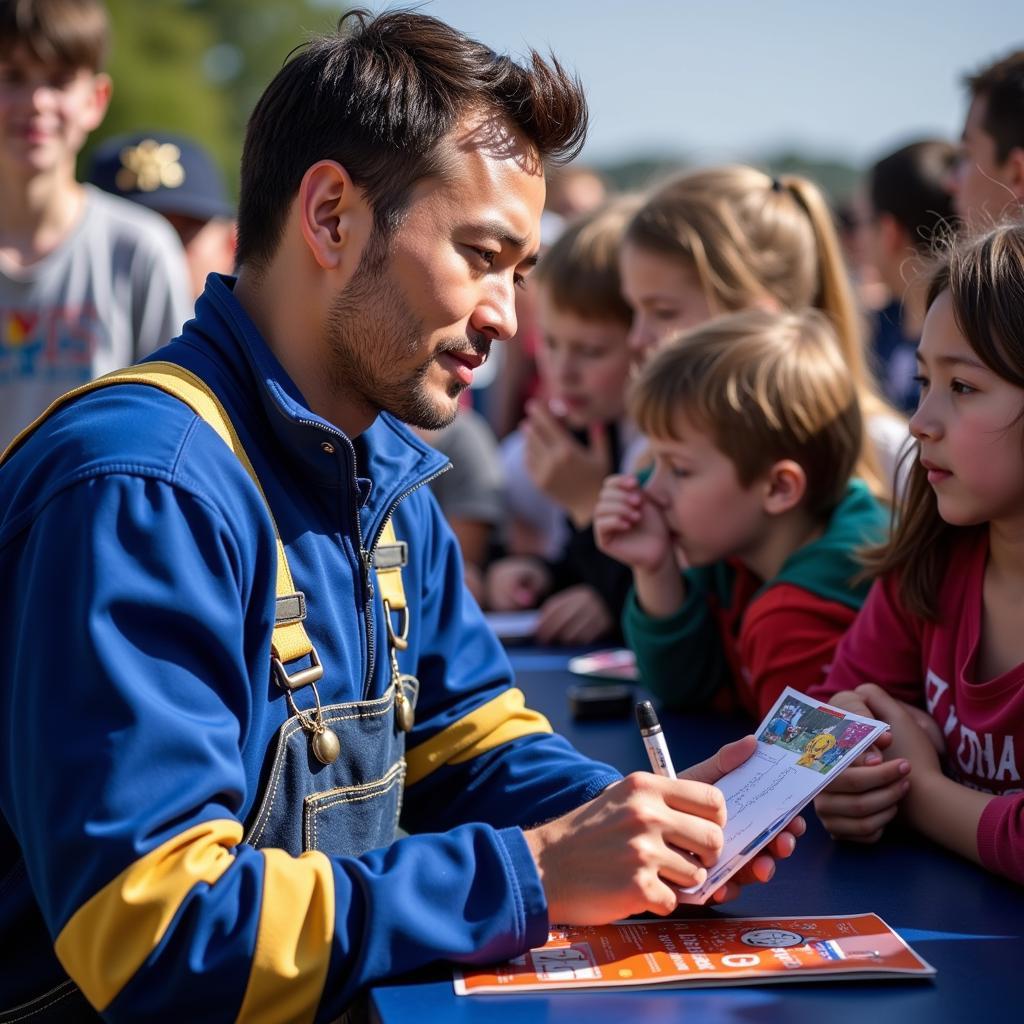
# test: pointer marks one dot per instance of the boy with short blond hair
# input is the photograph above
(88, 283)
(755, 429)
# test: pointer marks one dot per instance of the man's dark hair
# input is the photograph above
(911, 185)
(72, 33)
(377, 96)
(1002, 86)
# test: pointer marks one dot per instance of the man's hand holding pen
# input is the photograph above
(627, 851)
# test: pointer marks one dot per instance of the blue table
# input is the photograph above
(966, 923)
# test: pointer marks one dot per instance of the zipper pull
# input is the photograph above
(367, 559)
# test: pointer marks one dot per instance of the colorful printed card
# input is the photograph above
(802, 745)
(709, 951)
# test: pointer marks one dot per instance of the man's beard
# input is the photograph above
(370, 332)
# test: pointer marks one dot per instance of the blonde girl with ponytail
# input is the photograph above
(724, 239)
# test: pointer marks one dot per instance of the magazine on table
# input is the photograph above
(802, 745)
(708, 951)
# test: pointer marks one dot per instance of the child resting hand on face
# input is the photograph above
(570, 441)
(755, 429)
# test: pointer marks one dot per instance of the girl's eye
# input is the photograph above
(921, 381)
(678, 472)
(519, 280)
(958, 387)
(666, 314)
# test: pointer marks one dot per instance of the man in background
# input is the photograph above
(988, 184)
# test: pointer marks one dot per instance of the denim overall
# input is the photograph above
(342, 808)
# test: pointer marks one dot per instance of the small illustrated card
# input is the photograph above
(802, 745)
(616, 663)
(709, 951)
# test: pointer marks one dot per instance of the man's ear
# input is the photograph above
(1014, 168)
(334, 216)
(785, 487)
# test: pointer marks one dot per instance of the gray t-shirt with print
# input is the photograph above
(116, 289)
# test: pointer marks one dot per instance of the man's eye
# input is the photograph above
(487, 255)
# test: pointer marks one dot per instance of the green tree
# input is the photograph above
(197, 67)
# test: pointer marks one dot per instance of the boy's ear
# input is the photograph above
(334, 217)
(785, 488)
(102, 90)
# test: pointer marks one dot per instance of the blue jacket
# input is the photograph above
(138, 710)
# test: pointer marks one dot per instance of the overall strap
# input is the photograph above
(389, 556)
(289, 640)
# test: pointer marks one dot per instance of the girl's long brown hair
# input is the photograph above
(985, 281)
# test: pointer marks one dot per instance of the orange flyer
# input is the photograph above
(707, 951)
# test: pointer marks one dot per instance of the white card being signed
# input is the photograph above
(802, 745)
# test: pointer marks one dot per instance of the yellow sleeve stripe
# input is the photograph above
(501, 720)
(293, 947)
(110, 936)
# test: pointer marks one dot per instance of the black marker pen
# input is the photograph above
(654, 740)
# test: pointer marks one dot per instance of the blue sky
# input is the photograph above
(736, 78)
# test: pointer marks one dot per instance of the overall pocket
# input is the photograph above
(350, 820)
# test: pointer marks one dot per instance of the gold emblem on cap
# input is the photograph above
(149, 166)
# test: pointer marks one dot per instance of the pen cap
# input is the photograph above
(645, 716)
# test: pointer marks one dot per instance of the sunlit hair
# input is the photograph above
(985, 281)
(754, 239)
(379, 97)
(580, 272)
(765, 386)
(69, 33)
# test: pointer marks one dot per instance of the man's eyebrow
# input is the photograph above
(495, 229)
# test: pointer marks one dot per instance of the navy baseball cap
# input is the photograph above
(171, 174)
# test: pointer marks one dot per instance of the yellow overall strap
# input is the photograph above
(290, 640)
(389, 556)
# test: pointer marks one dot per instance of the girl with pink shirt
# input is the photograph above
(938, 648)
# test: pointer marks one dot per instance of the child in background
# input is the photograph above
(941, 628)
(584, 361)
(755, 429)
(901, 213)
(88, 282)
(724, 239)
